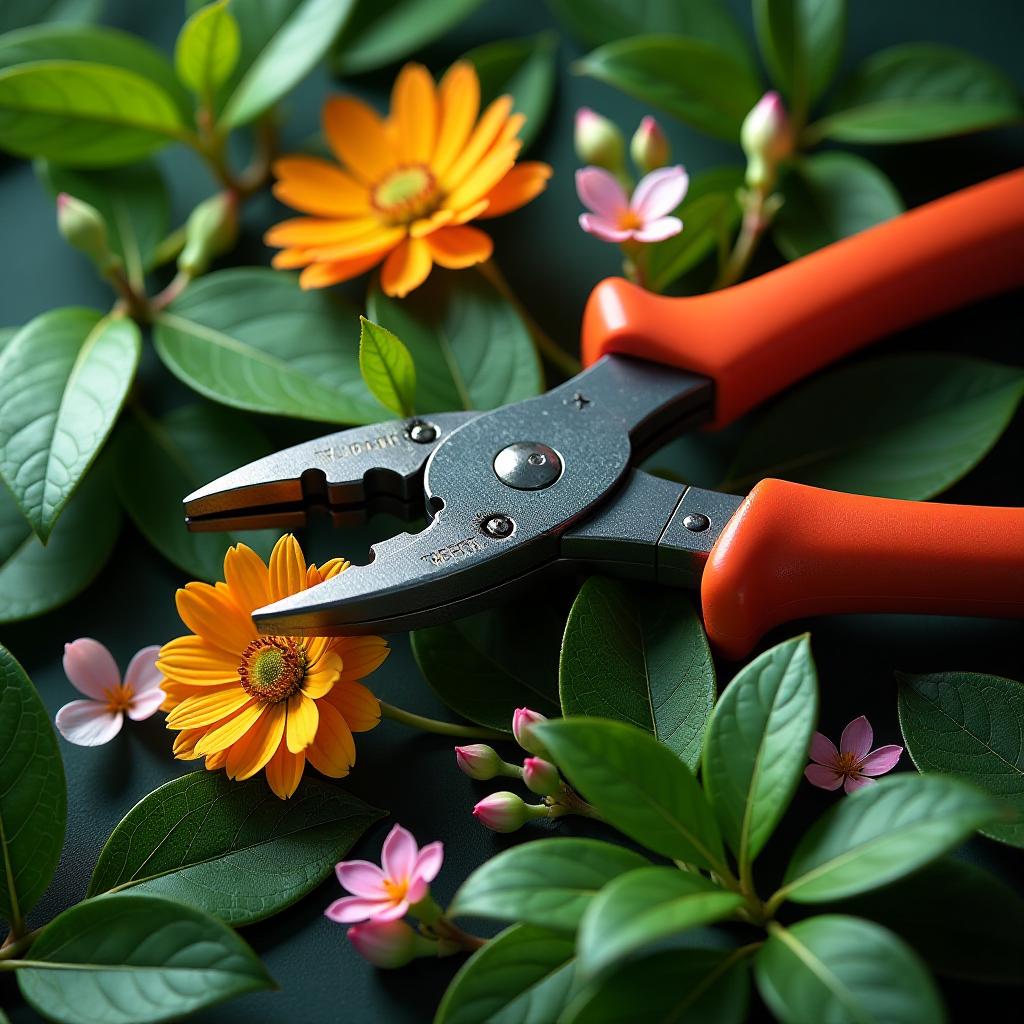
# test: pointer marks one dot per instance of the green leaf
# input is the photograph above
(840, 969)
(522, 976)
(282, 41)
(30, 12)
(471, 348)
(63, 380)
(647, 906)
(701, 84)
(387, 368)
(231, 848)
(207, 49)
(7, 334)
(131, 959)
(639, 786)
(384, 31)
(637, 653)
(920, 91)
(35, 578)
(972, 726)
(33, 794)
(252, 339)
(830, 196)
(523, 68)
(548, 883)
(180, 452)
(933, 417)
(881, 833)
(756, 747)
(710, 213)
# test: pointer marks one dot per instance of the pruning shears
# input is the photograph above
(550, 483)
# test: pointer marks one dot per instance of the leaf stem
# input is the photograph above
(759, 209)
(433, 725)
(13, 948)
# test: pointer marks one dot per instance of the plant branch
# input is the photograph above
(759, 209)
(13, 948)
(433, 725)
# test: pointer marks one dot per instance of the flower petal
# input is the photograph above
(660, 192)
(91, 668)
(822, 777)
(427, 225)
(142, 673)
(408, 265)
(301, 725)
(376, 243)
(322, 675)
(207, 708)
(600, 192)
(487, 129)
(606, 230)
(333, 751)
(459, 247)
(310, 232)
(398, 854)
(658, 230)
(361, 878)
(459, 100)
(88, 723)
(287, 568)
(855, 782)
(192, 660)
(231, 730)
(414, 109)
(247, 577)
(882, 760)
(350, 909)
(358, 138)
(323, 275)
(524, 182)
(318, 187)
(393, 911)
(257, 746)
(212, 614)
(485, 176)
(146, 704)
(823, 750)
(361, 655)
(284, 771)
(857, 738)
(357, 705)
(429, 861)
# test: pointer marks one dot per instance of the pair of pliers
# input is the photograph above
(550, 483)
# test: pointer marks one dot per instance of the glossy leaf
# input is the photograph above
(701, 84)
(645, 907)
(6, 335)
(207, 48)
(31, 12)
(384, 31)
(387, 368)
(35, 578)
(972, 726)
(637, 653)
(131, 959)
(522, 68)
(920, 91)
(33, 794)
(756, 747)
(881, 833)
(933, 417)
(548, 883)
(523, 975)
(252, 339)
(830, 196)
(62, 382)
(158, 462)
(471, 348)
(637, 785)
(840, 969)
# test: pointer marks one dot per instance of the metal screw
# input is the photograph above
(499, 527)
(421, 432)
(696, 522)
(528, 465)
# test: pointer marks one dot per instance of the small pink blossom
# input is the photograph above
(479, 761)
(541, 777)
(523, 721)
(386, 893)
(649, 148)
(506, 812)
(644, 217)
(92, 670)
(389, 943)
(854, 764)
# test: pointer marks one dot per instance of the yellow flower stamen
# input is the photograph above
(847, 763)
(406, 194)
(119, 698)
(396, 890)
(272, 668)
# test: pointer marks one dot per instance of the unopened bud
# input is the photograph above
(389, 943)
(83, 227)
(211, 229)
(506, 812)
(523, 721)
(599, 143)
(541, 777)
(649, 148)
(767, 138)
(479, 761)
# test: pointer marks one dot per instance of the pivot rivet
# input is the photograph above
(421, 432)
(498, 527)
(696, 522)
(528, 465)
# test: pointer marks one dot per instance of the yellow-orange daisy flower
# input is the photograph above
(408, 185)
(247, 702)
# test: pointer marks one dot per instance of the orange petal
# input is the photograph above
(357, 704)
(361, 655)
(438, 219)
(284, 771)
(486, 131)
(407, 267)
(322, 676)
(318, 187)
(482, 178)
(459, 95)
(460, 247)
(247, 578)
(323, 275)
(357, 135)
(216, 761)
(300, 727)
(307, 232)
(185, 743)
(524, 182)
(232, 730)
(257, 746)
(287, 568)
(414, 112)
(207, 708)
(292, 259)
(376, 243)
(333, 566)
(192, 660)
(470, 213)
(333, 752)
(212, 614)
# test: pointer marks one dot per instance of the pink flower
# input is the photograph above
(541, 777)
(523, 721)
(93, 671)
(479, 761)
(389, 943)
(386, 893)
(506, 812)
(643, 218)
(649, 148)
(854, 764)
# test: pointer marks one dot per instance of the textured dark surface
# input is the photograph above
(552, 266)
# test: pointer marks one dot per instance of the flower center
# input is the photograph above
(406, 194)
(847, 763)
(119, 698)
(396, 890)
(272, 668)
(629, 220)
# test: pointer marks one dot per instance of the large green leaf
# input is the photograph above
(881, 833)
(933, 417)
(31, 12)
(522, 976)
(180, 452)
(252, 339)
(637, 785)
(637, 653)
(842, 969)
(387, 368)
(471, 347)
(231, 848)
(920, 91)
(33, 794)
(62, 382)
(383, 31)
(645, 907)
(35, 578)
(830, 196)
(548, 883)
(756, 747)
(207, 48)
(696, 81)
(131, 959)
(972, 726)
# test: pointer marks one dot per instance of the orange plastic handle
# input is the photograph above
(792, 551)
(756, 338)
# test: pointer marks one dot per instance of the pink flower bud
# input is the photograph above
(479, 761)
(767, 138)
(523, 722)
(389, 943)
(598, 141)
(506, 812)
(541, 777)
(649, 148)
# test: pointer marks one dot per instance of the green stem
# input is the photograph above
(415, 721)
(169, 248)
(15, 948)
(753, 227)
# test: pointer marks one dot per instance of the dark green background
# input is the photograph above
(552, 265)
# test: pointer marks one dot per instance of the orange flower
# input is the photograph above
(409, 185)
(247, 702)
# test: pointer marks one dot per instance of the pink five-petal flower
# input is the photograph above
(854, 764)
(92, 670)
(643, 217)
(387, 892)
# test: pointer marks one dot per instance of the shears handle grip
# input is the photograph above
(792, 551)
(756, 338)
